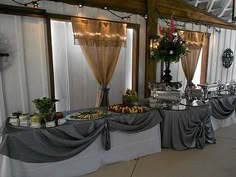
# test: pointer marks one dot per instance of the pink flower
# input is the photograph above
(172, 29)
(161, 30)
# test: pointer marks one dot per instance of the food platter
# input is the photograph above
(87, 115)
(126, 108)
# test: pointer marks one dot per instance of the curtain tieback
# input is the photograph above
(104, 89)
(190, 83)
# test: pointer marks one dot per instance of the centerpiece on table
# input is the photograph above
(168, 48)
(130, 97)
(46, 111)
(129, 105)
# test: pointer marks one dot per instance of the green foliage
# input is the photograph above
(46, 107)
(169, 50)
(130, 96)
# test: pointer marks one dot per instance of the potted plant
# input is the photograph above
(46, 109)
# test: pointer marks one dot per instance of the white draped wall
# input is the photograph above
(26, 76)
(219, 41)
(75, 85)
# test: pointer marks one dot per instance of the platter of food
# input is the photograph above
(87, 115)
(126, 108)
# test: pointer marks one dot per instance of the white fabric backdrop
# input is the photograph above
(26, 77)
(216, 123)
(75, 85)
(220, 39)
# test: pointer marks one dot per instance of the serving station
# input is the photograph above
(88, 139)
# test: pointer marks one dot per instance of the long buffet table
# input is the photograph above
(78, 147)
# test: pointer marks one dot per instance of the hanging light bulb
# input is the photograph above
(35, 4)
(146, 16)
(80, 5)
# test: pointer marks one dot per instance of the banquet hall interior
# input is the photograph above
(121, 88)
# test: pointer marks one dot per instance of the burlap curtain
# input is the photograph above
(100, 42)
(194, 41)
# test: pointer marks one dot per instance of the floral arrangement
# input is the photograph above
(169, 46)
(45, 107)
(130, 96)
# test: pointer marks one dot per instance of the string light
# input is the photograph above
(146, 16)
(127, 18)
(196, 23)
(34, 4)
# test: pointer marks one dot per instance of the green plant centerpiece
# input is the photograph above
(130, 96)
(46, 108)
(168, 48)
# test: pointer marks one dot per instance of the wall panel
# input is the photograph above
(25, 78)
(75, 83)
(220, 39)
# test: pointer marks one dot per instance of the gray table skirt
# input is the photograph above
(183, 129)
(63, 142)
(222, 108)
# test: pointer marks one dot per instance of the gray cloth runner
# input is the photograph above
(222, 108)
(63, 142)
(181, 129)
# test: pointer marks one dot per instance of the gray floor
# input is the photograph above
(217, 160)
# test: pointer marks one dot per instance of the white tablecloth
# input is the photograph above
(124, 147)
(220, 123)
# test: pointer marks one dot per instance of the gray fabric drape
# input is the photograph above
(63, 142)
(222, 108)
(181, 129)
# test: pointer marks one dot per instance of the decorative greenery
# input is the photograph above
(130, 96)
(169, 46)
(45, 107)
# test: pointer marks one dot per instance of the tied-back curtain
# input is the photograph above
(101, 42)
(194, 42)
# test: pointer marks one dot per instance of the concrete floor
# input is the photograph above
(216, 160)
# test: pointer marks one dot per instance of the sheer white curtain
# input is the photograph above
(75, 84)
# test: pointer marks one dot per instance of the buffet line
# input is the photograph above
(168, 95)
(163, 96)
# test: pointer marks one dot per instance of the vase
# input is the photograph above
(167, 77)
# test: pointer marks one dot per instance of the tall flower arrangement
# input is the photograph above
(169, 47)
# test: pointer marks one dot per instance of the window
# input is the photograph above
(75, 85)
